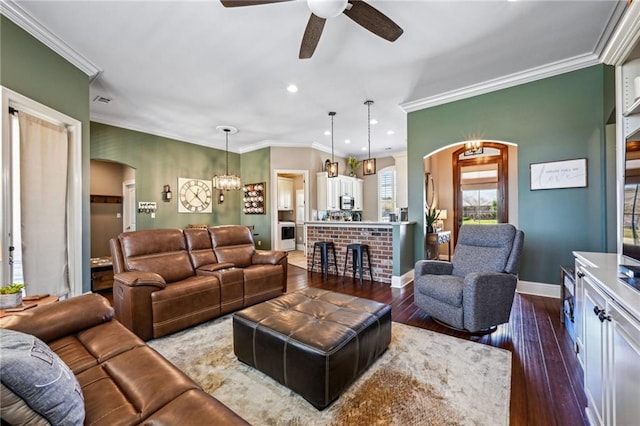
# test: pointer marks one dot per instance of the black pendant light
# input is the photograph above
(369, 165)
(332, 169)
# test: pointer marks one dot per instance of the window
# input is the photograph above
(386, 193)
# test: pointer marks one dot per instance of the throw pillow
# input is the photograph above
(37, 375)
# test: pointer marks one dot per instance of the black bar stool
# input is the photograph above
(324, 247)
(357, 262)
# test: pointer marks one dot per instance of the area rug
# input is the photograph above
(424, 378)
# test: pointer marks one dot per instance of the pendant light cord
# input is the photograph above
(369, 125)
(332, 135)
(226, 133)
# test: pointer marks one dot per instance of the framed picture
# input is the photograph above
(558, 174)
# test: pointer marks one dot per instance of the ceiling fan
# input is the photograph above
(362, 13)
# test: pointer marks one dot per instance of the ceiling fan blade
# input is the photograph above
(237, 3)
(311, 36)
(373, 20)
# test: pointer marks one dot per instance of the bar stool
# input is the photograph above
(324, 247)
(357, 250)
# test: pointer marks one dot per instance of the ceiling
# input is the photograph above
(181, 68)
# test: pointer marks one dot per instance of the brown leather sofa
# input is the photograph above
(167, 280)
(123, 381)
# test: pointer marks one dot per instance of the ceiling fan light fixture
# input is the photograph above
(327, 8)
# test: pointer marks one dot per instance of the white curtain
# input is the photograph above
(43, 198)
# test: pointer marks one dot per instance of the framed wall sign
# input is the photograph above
(559, 174)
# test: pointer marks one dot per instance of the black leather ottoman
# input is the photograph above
(315, 342)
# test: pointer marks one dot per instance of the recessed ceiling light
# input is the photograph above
(292, 88)
(374, 121)
(347, 141)
(364, 148)
(327, 133)
(390, 132)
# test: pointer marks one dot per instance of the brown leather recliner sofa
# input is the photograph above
(167, 280)
(123, 381)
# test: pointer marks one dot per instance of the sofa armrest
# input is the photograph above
(433, 267)
(135, 279)
(55, 320)
(272, 257)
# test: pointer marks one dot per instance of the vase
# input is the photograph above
(430, 229)
(10, 300)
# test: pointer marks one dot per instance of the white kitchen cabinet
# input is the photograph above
(610, 313)
(346, 185)
(358, 190)
(328, 192)
(285, 193)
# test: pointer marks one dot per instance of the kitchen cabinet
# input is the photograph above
(285, 193)
(328, 192)
(358, 190)
(610, 337)
(346, 185)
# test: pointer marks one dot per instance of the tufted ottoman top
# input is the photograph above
(315, 342)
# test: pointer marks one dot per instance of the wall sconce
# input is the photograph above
(166, 193)
(220, 197)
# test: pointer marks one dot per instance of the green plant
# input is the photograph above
(11, 288)
(353, 163)
(431, 216)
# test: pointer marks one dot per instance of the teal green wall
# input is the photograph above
(33, 70)
(558, 118)
(159, 161)
(256, 167)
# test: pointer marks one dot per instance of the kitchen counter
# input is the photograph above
(359, 224)
(391, 246)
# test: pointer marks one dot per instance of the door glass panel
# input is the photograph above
(479, 186)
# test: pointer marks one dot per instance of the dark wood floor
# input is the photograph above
(546, 378)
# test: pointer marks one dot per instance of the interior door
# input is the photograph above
(481, 186)
(129, 206)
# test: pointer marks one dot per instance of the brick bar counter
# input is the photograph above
(390, 245)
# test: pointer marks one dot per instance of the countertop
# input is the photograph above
(360, 224)
(603, 267)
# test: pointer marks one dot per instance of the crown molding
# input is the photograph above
(625, 37)
(505, 82)
(21, 18)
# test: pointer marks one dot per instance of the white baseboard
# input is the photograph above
(401, 281)
(538, 289)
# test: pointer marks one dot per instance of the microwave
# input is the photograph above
(346, 202)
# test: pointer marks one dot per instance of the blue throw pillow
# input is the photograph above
(36, 374)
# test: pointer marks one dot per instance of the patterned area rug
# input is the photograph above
(424, 378)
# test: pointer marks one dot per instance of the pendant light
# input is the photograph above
(332, 170)
(227, 182)
(369, 165)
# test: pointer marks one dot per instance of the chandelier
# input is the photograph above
(473, 148)
(369, 165)
(332, 170)
(227, 182)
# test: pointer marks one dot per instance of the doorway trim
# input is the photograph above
(274, 198)
(74, 204)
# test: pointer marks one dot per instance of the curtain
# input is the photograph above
(43, 198)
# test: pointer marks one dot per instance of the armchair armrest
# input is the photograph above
(135, 279)
(433, 267)
(273, 257)
(487, 298)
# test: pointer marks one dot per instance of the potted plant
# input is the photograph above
(353, 163)
(431, 216)
(11, 295)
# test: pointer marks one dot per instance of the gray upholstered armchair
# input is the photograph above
(475, 291)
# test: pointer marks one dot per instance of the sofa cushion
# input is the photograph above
(233, 244)
(36, 374)
(162, 251)
(199, 247)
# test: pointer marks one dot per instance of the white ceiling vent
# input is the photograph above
(101, 99)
